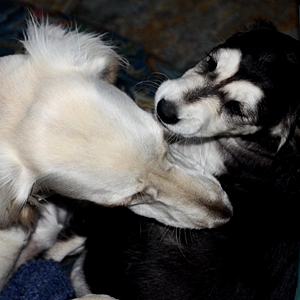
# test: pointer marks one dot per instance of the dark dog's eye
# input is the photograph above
(211, 64)
(234, 107)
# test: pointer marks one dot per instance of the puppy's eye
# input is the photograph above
(211, 64)
(234, 107)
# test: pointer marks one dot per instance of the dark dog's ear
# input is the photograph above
(294, 57)
(292, 49)
(15, 187)
(282, 132)
(286, 167)
(287, 84)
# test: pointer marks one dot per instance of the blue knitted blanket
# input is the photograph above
(39, 280)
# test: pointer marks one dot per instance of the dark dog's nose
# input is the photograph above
(166, 111)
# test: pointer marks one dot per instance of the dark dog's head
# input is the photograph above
(248, 83)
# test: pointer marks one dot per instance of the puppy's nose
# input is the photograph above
(166, 111)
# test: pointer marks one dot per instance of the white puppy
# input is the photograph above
(65, 128)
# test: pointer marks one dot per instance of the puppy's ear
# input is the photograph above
(16, 183)
(110, 70)
(284, 130)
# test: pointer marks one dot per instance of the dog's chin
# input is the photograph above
(175, 218)
(187, 218)
(162, 213)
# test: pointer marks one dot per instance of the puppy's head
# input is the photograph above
(243, 85)
(66, 128)
(58, 65)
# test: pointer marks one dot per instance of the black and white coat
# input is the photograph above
(237, 114)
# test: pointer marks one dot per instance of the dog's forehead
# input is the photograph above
(258, 41)
(227, 62)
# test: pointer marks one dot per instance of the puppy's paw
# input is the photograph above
(96, 297)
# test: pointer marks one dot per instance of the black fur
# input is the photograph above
(255, 255)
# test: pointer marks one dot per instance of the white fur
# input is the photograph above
(245, 92)
(64, 128)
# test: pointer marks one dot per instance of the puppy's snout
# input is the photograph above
(166, 112)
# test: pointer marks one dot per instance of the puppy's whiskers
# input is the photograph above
(148, 85)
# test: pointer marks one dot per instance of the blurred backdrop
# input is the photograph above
(179, 31)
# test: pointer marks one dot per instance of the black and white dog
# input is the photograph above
(237, 114)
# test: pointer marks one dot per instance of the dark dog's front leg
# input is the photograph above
(96, 297)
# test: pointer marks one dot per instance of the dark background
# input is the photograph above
(179, 31)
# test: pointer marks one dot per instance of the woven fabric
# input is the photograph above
(39, 280)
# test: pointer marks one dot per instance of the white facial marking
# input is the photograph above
(228, 61)
(244, 92)
(174, 89)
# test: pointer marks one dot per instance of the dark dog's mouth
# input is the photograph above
(161, 121)
(169, 135)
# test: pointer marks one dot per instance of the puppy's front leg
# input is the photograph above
(12, 241)
(49, 224)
